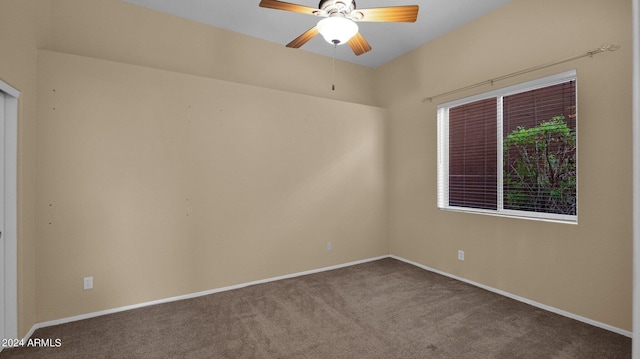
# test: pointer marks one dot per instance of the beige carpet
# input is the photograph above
(382, 309)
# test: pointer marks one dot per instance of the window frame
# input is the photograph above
(443, 149)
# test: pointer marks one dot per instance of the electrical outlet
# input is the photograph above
(88, 282)
(460, 255)
(329, 246)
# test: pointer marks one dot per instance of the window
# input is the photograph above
(511, 151)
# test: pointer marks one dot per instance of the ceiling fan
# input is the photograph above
(339, 23)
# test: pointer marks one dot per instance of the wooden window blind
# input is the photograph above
(473, 155)
(511, 151)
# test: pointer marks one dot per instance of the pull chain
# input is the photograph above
(333, 66)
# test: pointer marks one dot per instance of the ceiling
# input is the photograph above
(388, 40)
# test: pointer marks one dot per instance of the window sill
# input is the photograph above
(554, 218)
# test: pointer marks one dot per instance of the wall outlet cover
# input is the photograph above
(88, 282)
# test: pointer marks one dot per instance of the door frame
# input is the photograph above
(10, 232)
(635, 6)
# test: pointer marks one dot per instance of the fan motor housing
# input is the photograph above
(332, 7)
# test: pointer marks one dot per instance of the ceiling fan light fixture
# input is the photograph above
(337, 30)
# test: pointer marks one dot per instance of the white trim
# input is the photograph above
(443, 157)
(10, 235)
(557, 218)
(636, 179)
(299, 274)
(192, 295)
(500, 153)
(521, 299)
(6, 88)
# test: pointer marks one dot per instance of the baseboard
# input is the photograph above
(237, 286)
(522, 299)
(189, 296)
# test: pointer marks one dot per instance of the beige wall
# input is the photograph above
(24, 29)
(161, 184)
(119, 31)
(585, 269)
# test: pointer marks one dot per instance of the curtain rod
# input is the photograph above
(521, 72)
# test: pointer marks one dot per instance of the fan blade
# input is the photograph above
(407, 13)
(304, 38)
(359, 45)
(281, 5)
